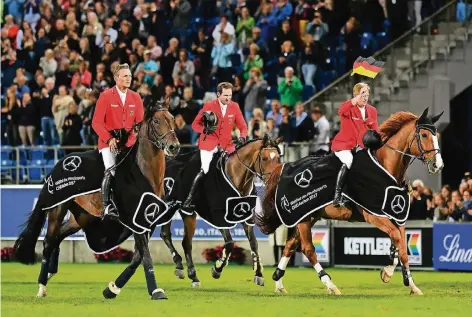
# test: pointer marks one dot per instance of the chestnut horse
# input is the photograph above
(405, 137)
(156, 138)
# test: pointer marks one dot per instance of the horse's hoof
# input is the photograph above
(334, 291)
(50, 275)
(108, 294)
(111, 291)
(179, 273)
(259, 280)
(195, 284)
(42, 292)
(158, 294)
(282, 290)
(384, 276)
(216, 275)
(416, 291)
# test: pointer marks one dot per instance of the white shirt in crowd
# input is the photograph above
(322, 139)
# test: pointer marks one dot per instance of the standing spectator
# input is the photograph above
(282, 11)
(290, 88)
(286, 33)
(418, 206)
(252, 61)
(72, 126)
(287, 58)
(169, 59)
(11, 102)
(317, 28)
(221, 55)
(244, 27)
(238, 95)
(456, 207)
(90, 136)
(257, 125)
(467, 215)
(255, 91)
(223, 27)
(352, 44)
(181, 11)
(188, 108)
(441, 210)
(184, 68)
(183, 130)
(156, 50)
(26, 119)
(148, 67)
(45, 113)
(311, 58)
(271, 129)
(398, 17)
(202, 47)
(158, 90)
(108, 30)
(286, 130)
(304, 129)
(320, 145)
(21, 86)
(60, 108)
(275, 112)
(83, 76)
(48, 63)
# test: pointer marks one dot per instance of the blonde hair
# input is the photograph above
(357, 88)
(119, 67)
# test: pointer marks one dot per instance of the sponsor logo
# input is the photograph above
(320, 238)
(414, 246)
(151, 212)
(367, 246)
(71, 163)
(398, 204)
(454, 252)
(168, 185)
(303, 179)
(242, 210)
(285, 204)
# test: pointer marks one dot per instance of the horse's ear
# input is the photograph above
(436, 118)
(425, 113)
(265, 139)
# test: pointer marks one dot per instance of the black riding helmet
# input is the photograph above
(372, 140)
(210, 120)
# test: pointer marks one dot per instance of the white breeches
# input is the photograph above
(345, 156)
(109, 159)
(206, 157)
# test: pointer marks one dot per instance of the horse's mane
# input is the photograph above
(393, 124)
(270, 142)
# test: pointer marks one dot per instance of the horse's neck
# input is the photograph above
(239, 175)
(396, 163)
(151, 162)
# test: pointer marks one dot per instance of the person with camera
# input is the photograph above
(215, 122)
(255, 91)
(290, 88)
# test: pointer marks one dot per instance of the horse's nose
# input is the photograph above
(174, 148)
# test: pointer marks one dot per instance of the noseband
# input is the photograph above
(159, 140)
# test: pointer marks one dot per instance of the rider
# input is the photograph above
(228, 114)
(357, 116)
(117, 108)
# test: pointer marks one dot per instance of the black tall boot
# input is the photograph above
(108, 208)
(339, 200)
(188, 202)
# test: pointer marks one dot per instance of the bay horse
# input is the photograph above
(156, 138)
(405, 137)
(256, 157)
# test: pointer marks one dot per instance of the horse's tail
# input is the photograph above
(268, 220)
(26, 242)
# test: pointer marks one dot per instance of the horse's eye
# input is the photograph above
(265, 158)
(424, 135)
(155, 120)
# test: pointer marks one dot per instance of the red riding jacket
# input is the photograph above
(353, 127)
(222, 134)
(111, 114)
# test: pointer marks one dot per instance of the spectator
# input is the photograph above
(148, 67)
(282, 11)
(257, 125)
(83, 75)
(320, 145)
(303, 125)
(11, 102)
(467, 215)
(398, 17)
(188, 108)
(169, 59)
(441, 210)
(287, 57)
(238, 95)
(45, 113)
(184, 69)
(107, 30)
(224, 27)
(286, 130)
(21, 86)
(252, 61)
(71, 129)
(90, 137)
(275, 112)
(221, 54)
(352, 45)
(255, 91)
(26, 113)
(181, 11)
(260, 42)
(311, 58)
(284, 34)
(64, 75)
(446, 193)
(202, 47)
(244, 28)
(271, 129)
(418, 205)
(456, 207)
(158, 90)
(174, 98)
(290, 88)
(183, 130)
(317, 28)
(265, 25)
(156, 50)
(60, 109)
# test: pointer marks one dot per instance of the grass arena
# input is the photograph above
(76, 291)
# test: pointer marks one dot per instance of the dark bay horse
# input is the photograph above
(405, 137)
(156, 138)
(256, 157)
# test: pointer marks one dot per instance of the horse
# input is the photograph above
(156, 139)
(257, 157)
(405, 137)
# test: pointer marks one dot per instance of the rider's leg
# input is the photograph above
(346, 158)
(205, 158)
(108, 208)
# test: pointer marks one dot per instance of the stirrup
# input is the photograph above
(110, 212)
(341, 203)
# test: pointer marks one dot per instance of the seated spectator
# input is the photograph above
(174, 98)
(275, 112)
(148, 67)
(156, 50)
(320, 145)
(244, 28)
(252, 61)
(224, 27)
(467, 215)
(456, 207)
(257, 125)
(255, 91)
(184, 68)
(271, 129)
(287, 58)
(221, 55)
(290, 89)
(71, 129)
(441, 210)
(27, 118)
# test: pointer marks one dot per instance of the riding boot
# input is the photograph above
(188, 202)
(108, 208)
(339, 200)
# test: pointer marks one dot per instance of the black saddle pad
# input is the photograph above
(216, 199)
(308, 185)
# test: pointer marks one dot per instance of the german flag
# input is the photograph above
(368, 67)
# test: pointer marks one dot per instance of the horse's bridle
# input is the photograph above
(159, 139)
(422, 157)
(261, 175)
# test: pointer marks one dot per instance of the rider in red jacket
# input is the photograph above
(357, 116)
(118, 107)
(224, 114)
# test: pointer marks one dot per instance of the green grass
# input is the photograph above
(76, 291)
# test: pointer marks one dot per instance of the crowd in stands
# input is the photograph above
(447, 205)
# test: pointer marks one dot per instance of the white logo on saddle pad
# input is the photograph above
(241, 210)
(151, 212)
(285, 204)
(71, 163)
(303, 179)
(50, 183)
(398, 204)
(168, 184)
